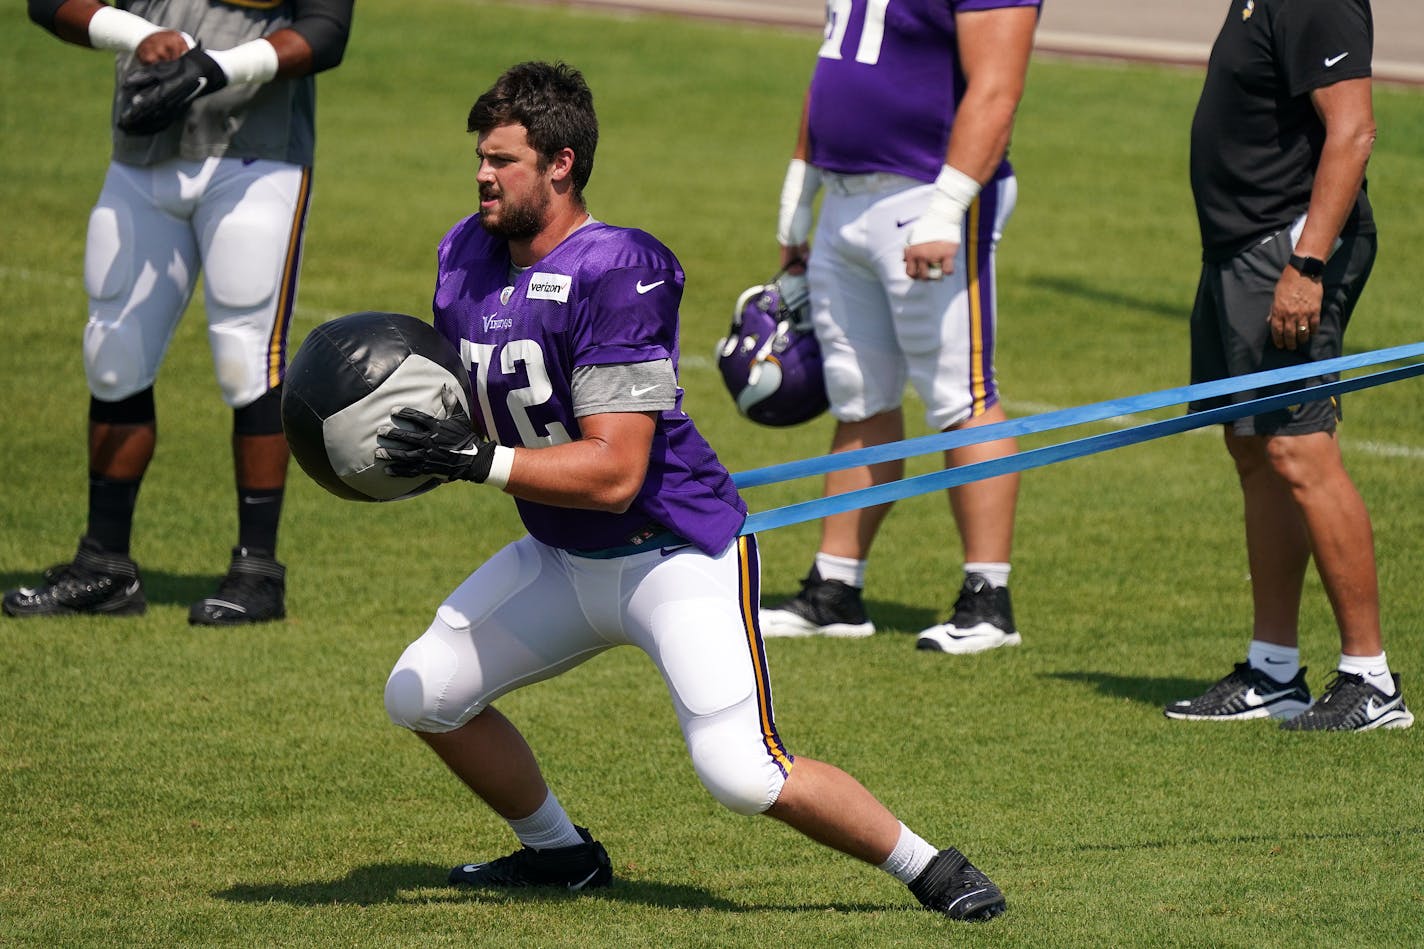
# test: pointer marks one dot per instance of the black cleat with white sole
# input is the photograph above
(955, 887)
(579, 867)
(96, 581)
(983, 619)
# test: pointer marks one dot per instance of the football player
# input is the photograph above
(905, 128)
(211, 172)
(569, 327)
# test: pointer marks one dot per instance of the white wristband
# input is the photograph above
(501, 466)
(798, 194)
(943, 218)
(119, 30)
(254, 61)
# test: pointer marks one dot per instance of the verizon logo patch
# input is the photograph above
(549, 286)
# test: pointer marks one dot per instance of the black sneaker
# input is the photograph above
(253, 591)
(1245, 693)
(983, 619)
(955, 887)
(582, 866)
(822, 608)
(1350, 704)
(96, 581)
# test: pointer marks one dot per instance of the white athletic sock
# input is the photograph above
(1279, 662)
(1375, 669)
(847, 570)
(910, 856)
(547, 827)
(996, 573)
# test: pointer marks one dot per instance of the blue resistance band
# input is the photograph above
(1036, 458)
(1065, 418)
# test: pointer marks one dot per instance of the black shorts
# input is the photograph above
(1231, 336)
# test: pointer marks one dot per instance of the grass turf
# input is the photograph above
(166, 785)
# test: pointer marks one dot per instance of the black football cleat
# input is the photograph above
(253, 591)
(983, 619)
(579, 867)
(822, 608)
(955, 887)
(96, 582)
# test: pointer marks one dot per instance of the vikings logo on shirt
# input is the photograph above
(1247, 10)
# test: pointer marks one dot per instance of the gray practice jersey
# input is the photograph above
(274, 120)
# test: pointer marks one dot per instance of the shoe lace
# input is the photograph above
(68, 578)
(1339, 683)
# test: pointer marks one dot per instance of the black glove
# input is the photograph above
(153, 97)
(447, 448)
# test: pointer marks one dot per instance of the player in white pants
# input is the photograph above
(905, 131)
(217, 183)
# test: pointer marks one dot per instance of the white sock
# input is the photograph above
(847, 570)
(910, 856)
(547, 827)
(1375, 669)
(1281, 663)
(996, 573)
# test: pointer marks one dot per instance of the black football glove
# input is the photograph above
(153, 97)
(446, 448)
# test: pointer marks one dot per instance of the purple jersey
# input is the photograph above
(605, 296)
(887, 84)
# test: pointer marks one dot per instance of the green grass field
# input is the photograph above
(162, 785)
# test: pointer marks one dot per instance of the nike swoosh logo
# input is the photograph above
(1332, 60)
(908, 220)
(1252, 694)
(645, 287)
(203, 84)
(575, 887)
(1374, 711)
(643, 390)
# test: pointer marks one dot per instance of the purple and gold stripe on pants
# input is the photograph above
(287, 289)
(749, 597)
(980, 221)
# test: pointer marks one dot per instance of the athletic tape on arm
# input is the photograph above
(1063, 418)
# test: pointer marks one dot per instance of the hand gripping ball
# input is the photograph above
(347, 378)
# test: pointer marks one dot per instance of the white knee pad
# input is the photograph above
(743, 778)
(418, 683)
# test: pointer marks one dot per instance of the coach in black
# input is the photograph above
(1279, 145)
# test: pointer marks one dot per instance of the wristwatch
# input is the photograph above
(1311, 267)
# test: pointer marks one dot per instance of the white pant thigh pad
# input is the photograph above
(514, 621)
(140, 266)
(250, 224)
(689, 615)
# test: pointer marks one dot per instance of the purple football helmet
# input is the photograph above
(770, 360)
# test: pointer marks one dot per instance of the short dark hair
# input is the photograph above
(555, 106)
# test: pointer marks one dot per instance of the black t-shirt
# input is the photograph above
(1256, 137)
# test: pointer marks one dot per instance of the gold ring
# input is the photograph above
(1302, 328)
